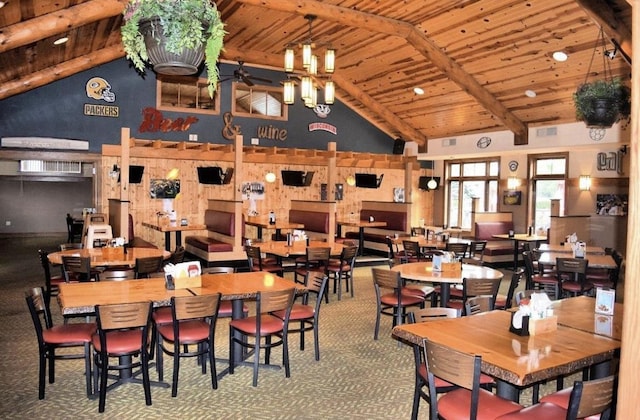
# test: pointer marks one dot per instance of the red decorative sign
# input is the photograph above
(324, 127)
(154, 121)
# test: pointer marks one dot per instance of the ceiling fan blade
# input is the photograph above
(246, 79)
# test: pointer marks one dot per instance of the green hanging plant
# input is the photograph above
(602, 102)
(186, 24)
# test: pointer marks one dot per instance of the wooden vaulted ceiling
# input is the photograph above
(474, 58)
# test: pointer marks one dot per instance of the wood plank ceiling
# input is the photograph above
(474, 58)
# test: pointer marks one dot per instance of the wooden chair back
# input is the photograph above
(589, 398)
(147, 266)
(478, 304)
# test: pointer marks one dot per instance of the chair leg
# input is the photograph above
(52, 366)
(146, 383)
(377, 327)
(256, 360)
(104, 363)
(212, 362)
(160, 361)
(231, 352)
(302, 335)
(416, 399)
(316, 339)
(176, 368)
(87, 368)
(285, 356)
(41, 375)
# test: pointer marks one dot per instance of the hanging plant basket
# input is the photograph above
(602, 103)
(185, 62)
(174, 36)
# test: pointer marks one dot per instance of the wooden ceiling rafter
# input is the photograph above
(418, 40)
(601, 13)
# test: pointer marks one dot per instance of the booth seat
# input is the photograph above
(376, 238)
(218, 244)
(136, 241)
(497, 250)
(316, 223)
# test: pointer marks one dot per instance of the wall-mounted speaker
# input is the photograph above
(398, 147)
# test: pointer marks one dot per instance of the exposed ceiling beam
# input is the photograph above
(601, 13)
(413, 36)
(51, 24)
(68, 68)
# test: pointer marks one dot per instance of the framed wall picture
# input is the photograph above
(612, 204)
(512, 198)
(398, 195)
(339, 192)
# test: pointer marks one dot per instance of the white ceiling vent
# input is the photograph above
(547, 131)
(49, 166)
(45, 143)
(448, 142)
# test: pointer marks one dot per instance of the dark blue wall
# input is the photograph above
(56, 110)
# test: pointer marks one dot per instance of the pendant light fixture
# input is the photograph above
(432, 184)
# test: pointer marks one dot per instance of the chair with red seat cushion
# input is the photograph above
(342, 268)
(52, 337)
(193, 324)
(123, 331)
(468, 400)
(148, 266)
(263, 326)
(316, 259)
(548, 282)
(257, 263)
(412, 252)
(421, 379)
(76, 268)
(476, 287)
(51, 282)
(390, 299)
(308, 315)
(589, 400)
(572, 275)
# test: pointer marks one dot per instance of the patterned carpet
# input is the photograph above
(357, 377)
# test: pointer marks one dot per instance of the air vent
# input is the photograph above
(59, 167)
(45, 143)
(448, 142)
(547, 131)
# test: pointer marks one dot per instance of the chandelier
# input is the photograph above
(308, 85)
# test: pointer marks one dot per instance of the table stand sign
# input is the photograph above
(605, 301)
(183, 276)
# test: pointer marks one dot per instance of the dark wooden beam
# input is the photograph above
(600, 12)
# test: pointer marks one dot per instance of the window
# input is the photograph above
(258, 102)
(548, 175)
(186, 94)
(469, 179)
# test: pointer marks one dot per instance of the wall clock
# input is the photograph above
(483, 142)
(513, 165)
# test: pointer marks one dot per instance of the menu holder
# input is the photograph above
(543, 325)
(605, 301)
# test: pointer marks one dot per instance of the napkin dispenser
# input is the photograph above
(523, 329)
(183, 276)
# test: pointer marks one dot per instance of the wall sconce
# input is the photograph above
(114, 172)
(512, 183)
(270, 177)
(173, 173)
(351, 180)
(585, 182)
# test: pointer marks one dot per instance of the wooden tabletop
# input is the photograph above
(423, 271)
(299, 248)
(81, 298)
(511, 358)
(521, 237)
(566, 248)
(98, 259)
(174, 227)
(579, 313)
(361, 223)
(263, 222)
(595, 260)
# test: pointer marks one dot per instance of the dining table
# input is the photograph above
(423, 272)
(517, 239)
(361, 225)
(173, 227)
(566, 248)
(262, 223)
(595, 260)
(105, 257)
(580, 313)
(81, 298)
(516, 361)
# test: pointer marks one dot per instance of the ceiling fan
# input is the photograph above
(242, 75)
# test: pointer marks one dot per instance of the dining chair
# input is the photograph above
(476, 287)
(468, 400)
(547, 282)
(51, 282)
(306, 313)
(412, 252)
(74, 230)
(342, 268)
(572, 275)
(316, 259)
(395, 257)
(177, 256)
(225, 309)
(586, 399)
(458, 248)
(147, 266)
(76, 268)
(263, 327)
(476, 250)
(478, 304)
(52, 337)
(123, 331)
(193, 324)
(390, 299)
(257, 263)
(506, 302)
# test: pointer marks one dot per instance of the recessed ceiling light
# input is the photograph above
(2, 4)
(530, 93)
(418, 91)
(60, 40)
(560, 56)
